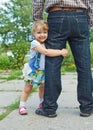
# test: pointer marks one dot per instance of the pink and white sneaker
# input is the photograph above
(40, 105)
(22, 110)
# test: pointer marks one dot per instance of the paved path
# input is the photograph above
(68, 112)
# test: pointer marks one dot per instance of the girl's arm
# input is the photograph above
(51, 52)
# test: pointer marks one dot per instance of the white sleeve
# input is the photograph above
(34, 43)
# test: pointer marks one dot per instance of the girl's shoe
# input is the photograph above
(22, 110)
(40, 105)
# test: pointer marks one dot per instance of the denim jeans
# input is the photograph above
(71, 26)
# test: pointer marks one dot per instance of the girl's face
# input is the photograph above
(40, 34)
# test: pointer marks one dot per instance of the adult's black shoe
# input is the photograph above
(85, 114)
(41, 112)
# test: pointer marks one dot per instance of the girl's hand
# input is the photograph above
(64, 52)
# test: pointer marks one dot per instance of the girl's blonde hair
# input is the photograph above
(41, 23)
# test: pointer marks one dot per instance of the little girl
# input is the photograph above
(33, 71)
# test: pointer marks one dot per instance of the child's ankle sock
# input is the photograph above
(22, 103)
(41, 100)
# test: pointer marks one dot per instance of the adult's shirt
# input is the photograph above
(40, 5)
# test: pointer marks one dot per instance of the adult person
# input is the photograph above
(68, 21)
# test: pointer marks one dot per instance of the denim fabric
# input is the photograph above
(71, 26)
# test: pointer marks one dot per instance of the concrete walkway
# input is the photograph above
(68, 112)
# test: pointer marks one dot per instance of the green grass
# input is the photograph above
(11, 75)
(9, 109)
(14, 75)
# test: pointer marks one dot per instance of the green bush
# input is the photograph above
(68, 62)
(91, 49)
(19, 51)
(69, 59)
(4, 61)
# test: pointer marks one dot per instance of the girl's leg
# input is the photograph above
(41, 95)
(27, 90)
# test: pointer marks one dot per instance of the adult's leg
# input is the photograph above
(53, 65)
(80, 47)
